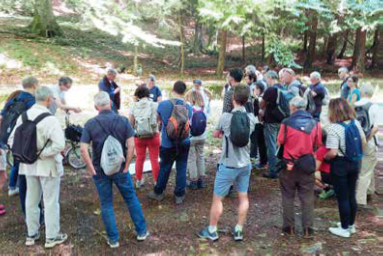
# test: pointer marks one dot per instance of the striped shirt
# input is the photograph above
(336, 138)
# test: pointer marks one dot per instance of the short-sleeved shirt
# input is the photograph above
(336, 138)
(57, 94)
(320, 90)
(237, 157)
(118, 126)
(154, 93)
(164, 110)
(356, 92)
(270, 97)
(324, 167)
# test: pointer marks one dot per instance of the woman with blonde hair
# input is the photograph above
(345, 141)
(196, 160)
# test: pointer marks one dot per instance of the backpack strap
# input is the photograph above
(24, 116)
(40, 117)
(227, 146)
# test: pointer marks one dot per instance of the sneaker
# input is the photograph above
(154, 196)
(205, 234)
(60, 238)
(339, 231)
(143, 236)
(351, 228)
(139, 183)
(201, 183)
(180, 199)
(30, 241)
(192, 185)
(238, 235)
(13, 191)
(326, 194)
(112, 245)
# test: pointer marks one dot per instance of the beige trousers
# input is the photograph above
(366, 181)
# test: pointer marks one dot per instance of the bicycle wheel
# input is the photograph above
(9, 158)
(75, 159)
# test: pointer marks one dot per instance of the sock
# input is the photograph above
(212, 229)
(238, 228)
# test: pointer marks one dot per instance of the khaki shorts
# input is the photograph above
(3, 160)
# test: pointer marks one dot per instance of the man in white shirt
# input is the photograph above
(64, 85)
(366, 181)
(43, 176)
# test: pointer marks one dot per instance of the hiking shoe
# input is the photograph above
(308, 233)
(288, 231)
(180, 199)
(192, 185)
(365, 207)
(238, 235)
(154, 196)
(351, 228)
(140, 183)
(339, 231)
(326, 194)
(114, 244)
(30, 241)
(201, 183)
(13, 192)
(142, 237)
(59, 239)
(205, 234)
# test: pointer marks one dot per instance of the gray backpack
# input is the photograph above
(112, 155)
(146, 120)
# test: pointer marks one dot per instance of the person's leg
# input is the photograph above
(154, 151)
(306, 196)
(253, 145)
(192, 162)
(33, 199)
(200, 158)
(261, 144)
(342, 195)
(271, 133)
(22, 192)
(242, 181)
(104, 187)
(216, 210)
(288, 188)
(181, 166)
(352, 179)
(140, 159)
(13, 175)
(243, 208)
(366, 174)
(124, 184)
(167, 156)
(51, 195)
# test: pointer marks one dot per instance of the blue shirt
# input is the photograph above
(344, 89)
(154, 93)
(23, 96)
(164, 111)
(118, 126)
(355, 91)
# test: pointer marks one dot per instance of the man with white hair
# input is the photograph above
(108, 85)
(318, 92)
(300, 134)
(293, 84)
(96, 132)
(367, 114)
(344, 89)
(43, 176)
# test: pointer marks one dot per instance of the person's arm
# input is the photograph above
(218, 132)
(84, 148)
(187, 96)
(281, 135)
(374, 131)
(56, 138)
(61, 105)
(331, 154)
(354, 97)
(318, 163)
(159, 97)
(208, 93)
(117, 90)
(129, 154)
(131, 119)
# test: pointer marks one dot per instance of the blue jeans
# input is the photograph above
(13, 175)
(344, 175)
(104, 185)
(271, 133)
(168, 156)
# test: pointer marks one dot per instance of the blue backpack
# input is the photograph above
(198, 123)
(354, 151)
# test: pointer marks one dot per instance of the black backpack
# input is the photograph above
(12, 112)
(239, 130)
(24, 147)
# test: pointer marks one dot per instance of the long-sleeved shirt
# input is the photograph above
(49, 129)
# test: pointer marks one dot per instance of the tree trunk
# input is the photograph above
(263, 47)
(313, 38)
(222, 52)
(359, 56)
(305, 40)
(331, 49)
(325, 45)
(344, 47)
(182, 40)
(44, 22)
(243, 49)
(198, 43)
(377, 46)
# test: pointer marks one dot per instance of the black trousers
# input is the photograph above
(258, 144)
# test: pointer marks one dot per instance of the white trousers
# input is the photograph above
(366, 181)
(49, 189)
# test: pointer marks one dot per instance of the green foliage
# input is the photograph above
(281, 53)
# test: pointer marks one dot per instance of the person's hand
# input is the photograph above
(92, 172)
(77, 110)
(117, 90)
(313, 93)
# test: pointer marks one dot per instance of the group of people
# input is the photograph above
(270, 122)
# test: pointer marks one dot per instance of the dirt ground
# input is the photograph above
(173, 228)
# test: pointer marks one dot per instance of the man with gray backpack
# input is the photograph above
(175, 116)
(112, 141)
(235, 129)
